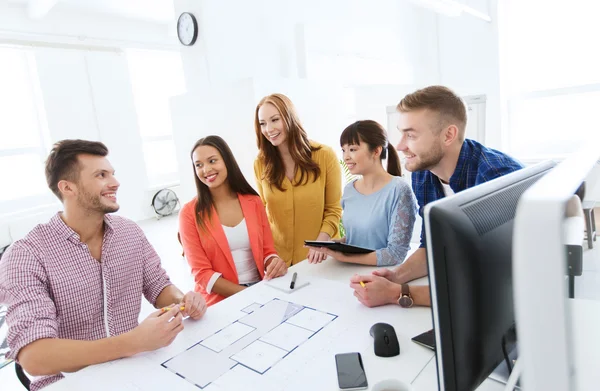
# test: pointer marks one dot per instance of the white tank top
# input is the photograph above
(239, 244)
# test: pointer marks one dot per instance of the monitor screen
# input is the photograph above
(469, 255)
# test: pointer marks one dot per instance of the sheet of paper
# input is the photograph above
(251, 308)
(227, 336)
(259, 356)
(176, 347)
(134, 373)
(200, 365)
(287, 336)
(242, 378)
(242, 352)
(311, 319)
(283, 283)
(146, 375)
(271, 314)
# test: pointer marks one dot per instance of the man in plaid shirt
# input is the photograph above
(73, 286)
(432, 122)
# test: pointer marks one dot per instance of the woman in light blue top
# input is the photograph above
(379, 208)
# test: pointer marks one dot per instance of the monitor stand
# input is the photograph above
(500, 374)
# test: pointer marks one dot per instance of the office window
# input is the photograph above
(156, 77)
(552, 77)
(22, 146)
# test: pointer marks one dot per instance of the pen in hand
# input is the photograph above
(165, 309)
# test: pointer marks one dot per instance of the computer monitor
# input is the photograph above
(469, 256)
(550, 356)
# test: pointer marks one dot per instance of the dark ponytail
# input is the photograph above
(374, 135)
(393, 161)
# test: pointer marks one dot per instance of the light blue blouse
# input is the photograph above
(382, 221)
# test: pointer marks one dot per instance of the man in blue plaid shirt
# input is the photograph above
(432, 122)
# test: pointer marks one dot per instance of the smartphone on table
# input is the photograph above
(350, 372)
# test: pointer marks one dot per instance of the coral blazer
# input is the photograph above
(208, 252)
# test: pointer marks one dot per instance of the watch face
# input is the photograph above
(405, 301)
(187, 29)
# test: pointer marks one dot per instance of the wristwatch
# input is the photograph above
(405, 300)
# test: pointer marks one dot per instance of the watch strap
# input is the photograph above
(405, 290)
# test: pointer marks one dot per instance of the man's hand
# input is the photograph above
(158, 330)
(195, 305)
(377, 290)
(275, 267)
(387, 274)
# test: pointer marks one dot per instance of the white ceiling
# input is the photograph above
(158, 11)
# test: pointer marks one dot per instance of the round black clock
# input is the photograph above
(187, 29)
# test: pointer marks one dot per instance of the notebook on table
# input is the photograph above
(283, 283)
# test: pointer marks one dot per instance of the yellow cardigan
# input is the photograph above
(300, 212)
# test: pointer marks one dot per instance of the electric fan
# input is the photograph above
(164, 202)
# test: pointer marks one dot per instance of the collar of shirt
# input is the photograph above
(58, 225)
(463, 171)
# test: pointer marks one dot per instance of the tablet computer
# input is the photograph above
(341, 247)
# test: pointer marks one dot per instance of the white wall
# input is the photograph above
(265, 47)
(469, 62)
(118, 129)
(226, 112)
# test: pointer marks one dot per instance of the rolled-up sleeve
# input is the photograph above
(24, 289)
(155, 277)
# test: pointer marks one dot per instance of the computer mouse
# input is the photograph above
(385, 341)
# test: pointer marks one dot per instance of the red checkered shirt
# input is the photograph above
(54, 288)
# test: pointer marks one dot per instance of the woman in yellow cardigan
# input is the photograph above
(299, 181)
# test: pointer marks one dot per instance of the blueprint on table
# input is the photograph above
(256, 341)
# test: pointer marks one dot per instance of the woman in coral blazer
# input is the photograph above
(224, 231)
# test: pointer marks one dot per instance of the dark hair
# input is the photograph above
(235, 179)
(297, 141)
(441, 100)
(63, 164)
(374, 135)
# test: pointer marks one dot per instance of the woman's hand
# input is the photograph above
(314, 255)
(338, 256)
(275, 267)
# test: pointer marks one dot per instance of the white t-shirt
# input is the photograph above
(447, 189)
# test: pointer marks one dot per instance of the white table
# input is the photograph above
(310, 367)
(328, 291)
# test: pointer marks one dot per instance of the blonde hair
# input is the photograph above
(450, 107)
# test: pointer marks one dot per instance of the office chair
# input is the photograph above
(179, 238)
(573, 229)
(22, 376)
(590, 222)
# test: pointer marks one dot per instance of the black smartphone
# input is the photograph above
(426, 339)
(350, 371)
